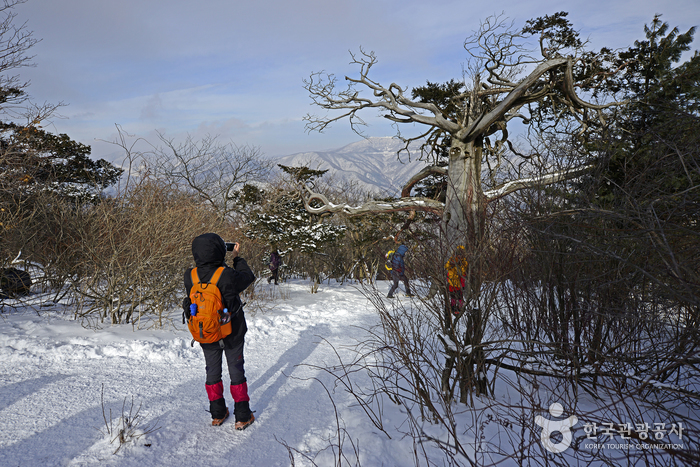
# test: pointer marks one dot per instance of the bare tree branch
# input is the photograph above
(533, 182)
(209, 169)
(426, 172)
(407, 203)
(401, 109)
(516, 97)
(403, 204)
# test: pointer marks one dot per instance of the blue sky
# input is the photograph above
(234, 69)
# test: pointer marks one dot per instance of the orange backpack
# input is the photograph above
(208, 323)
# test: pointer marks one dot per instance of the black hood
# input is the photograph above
(209, 250)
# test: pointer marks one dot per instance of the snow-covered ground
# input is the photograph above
(61, 384)
(55, 374)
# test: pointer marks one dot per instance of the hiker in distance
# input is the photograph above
(398, 271)
(214, 314)
(275, 261)
(456, 268)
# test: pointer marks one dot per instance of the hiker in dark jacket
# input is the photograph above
(275, 261)
(398, 271)
(209, 251)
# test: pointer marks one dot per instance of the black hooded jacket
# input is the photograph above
(209, 252)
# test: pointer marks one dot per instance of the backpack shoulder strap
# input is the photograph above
(217, 275)
(214, 278)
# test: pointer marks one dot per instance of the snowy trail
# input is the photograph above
(54, 370)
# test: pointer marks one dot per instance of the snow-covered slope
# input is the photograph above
(372, 162)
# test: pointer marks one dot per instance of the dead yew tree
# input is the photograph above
(558, 85)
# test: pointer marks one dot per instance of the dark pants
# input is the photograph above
(213, 357)
(396, 276)
(456, 301)
(274, 276)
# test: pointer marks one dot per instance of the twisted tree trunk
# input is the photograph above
(463, 225)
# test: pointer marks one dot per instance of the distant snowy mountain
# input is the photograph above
(371, 162)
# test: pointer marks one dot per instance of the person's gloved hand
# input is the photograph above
(186, 304)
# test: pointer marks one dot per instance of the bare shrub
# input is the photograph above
(44, 228)
(129, 427)
(553, 323)
(597, 303)
(135, 249)
(259, 298)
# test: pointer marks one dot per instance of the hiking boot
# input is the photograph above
(219, 421)
(243, 425)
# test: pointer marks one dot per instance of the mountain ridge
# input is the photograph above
(373, 163)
